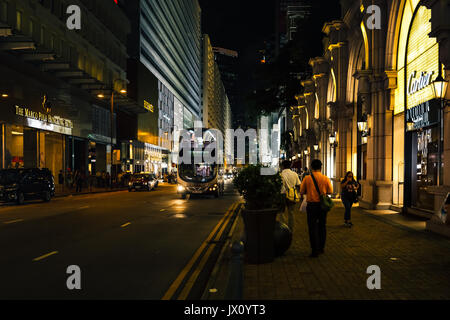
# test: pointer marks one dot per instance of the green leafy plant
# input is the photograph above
(259, 191)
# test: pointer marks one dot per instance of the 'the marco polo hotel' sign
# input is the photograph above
(424, 115)
(45, 121)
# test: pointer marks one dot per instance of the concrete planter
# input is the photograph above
(259, 235)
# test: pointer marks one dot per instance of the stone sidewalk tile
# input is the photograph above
(414, 264)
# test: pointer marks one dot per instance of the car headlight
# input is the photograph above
(180, 188)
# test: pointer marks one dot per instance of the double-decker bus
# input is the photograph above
(199, 170)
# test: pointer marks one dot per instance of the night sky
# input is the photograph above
(240, 25)
(244, 25)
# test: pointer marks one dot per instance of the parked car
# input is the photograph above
(141, 181)
(21, 184)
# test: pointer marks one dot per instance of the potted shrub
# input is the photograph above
(262, 203)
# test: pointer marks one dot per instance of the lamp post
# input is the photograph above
(333, 145)
(440, 89)
(101, 96)
(362, 126)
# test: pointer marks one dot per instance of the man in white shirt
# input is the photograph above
(290, 180)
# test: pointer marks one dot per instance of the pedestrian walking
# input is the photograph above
(70, 179)
(349, 189)
(316, 215)
(291, 188)
(79, 180)
(107, 179)
(60, 177)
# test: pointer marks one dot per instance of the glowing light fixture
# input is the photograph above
(440, 86)
(332, 139)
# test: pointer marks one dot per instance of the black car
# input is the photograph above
(21, 184)
(141, 181)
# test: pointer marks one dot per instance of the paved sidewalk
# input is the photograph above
(415, 264)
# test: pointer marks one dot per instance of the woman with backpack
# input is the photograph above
(349, 189)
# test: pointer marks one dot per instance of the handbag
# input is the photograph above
(325, 201)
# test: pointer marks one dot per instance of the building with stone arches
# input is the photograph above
(370, 106)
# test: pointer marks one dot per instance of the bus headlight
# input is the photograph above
(180, 188)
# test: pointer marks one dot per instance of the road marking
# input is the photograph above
(162, 210)
(13, 221)
(173, 288)
(125, 224)
(190, 283)
(45, 256)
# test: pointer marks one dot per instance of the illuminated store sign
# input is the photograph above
(415, 85)
(418, 62)
(424, 115)
(45, 121)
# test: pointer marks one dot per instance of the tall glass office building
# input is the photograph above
(167, 40)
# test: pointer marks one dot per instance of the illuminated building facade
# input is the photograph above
(371, 107)
(56, 85)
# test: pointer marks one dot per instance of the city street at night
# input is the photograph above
(128, 245)
(197, 155)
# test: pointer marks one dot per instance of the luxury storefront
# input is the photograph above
(418, 163)
(32, 138)
(39, 131)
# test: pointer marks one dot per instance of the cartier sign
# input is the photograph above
(418, 84)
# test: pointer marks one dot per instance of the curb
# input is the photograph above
(226, 279)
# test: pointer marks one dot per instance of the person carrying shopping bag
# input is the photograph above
(317, 186)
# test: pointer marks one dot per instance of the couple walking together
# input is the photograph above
(315, 186)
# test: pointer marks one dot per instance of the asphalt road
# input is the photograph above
(127, 245)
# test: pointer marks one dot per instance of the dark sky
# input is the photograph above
(237, 24)
(240, 25)
(243, 25)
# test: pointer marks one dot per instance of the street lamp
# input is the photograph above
(440, 86)
(332, 139)
(316, 147)
(440, 89)
(122, 91)
(362, 126)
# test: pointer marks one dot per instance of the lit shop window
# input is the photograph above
(14, 153)
(19, 20)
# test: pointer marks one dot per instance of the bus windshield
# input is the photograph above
(197, 172)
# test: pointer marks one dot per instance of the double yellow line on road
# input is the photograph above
(194, 275)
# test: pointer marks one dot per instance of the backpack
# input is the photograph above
(292, 194)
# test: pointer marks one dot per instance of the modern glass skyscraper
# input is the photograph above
(167, 40)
